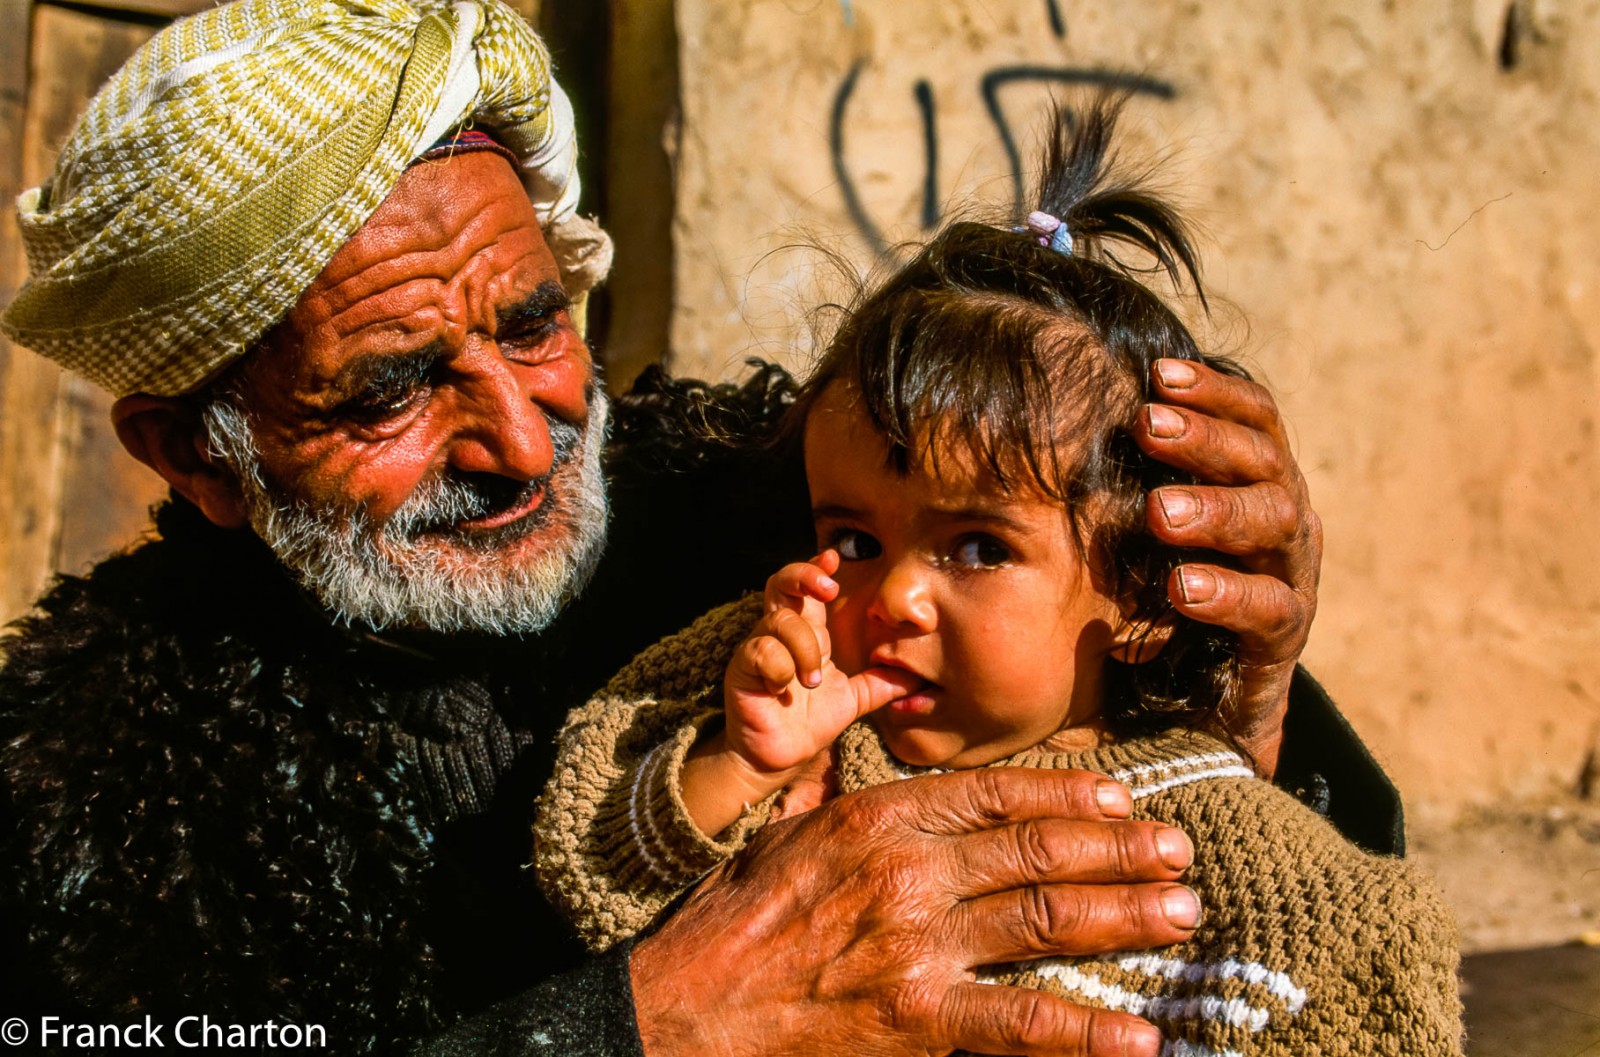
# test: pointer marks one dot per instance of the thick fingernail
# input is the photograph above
(1165, 422)
(827, 583)
(1181, 906)
(1176, 851)
(1114, 799)
(812, 679)
(1175, 374)
(1180, 506)
(1196, 585)
(1142, 1040)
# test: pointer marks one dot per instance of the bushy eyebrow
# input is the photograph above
(547, 299)
(388, 371)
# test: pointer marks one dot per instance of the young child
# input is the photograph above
(985, 595)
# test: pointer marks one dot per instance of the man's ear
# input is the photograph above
(1135, 643)
(166, 435)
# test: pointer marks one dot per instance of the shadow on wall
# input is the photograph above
(1542, 1002)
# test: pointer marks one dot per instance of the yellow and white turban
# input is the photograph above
(215, 174)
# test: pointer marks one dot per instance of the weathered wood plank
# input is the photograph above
(65, 479)
(16, 510)
(14, 24)
(641, 128)
(528, 9)
(167, 8)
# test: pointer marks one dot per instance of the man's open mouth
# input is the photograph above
(531, 499)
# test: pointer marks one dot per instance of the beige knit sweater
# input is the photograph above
(1308, 945)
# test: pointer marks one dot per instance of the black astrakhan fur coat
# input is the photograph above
(217, 802)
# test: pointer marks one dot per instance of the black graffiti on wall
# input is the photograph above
(990, 85)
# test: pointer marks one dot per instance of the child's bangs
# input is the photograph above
(987, 377)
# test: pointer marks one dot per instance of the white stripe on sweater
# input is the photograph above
(1234, 1012)
(1279, 985)
(1139, 792)
(641, 781)
(1202, 760)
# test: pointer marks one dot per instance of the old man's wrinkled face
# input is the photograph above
(420, 439)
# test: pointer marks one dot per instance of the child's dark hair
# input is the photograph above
(1039, 360)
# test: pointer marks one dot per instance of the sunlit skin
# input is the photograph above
(960, 617)
(979, 593)
(436, 339)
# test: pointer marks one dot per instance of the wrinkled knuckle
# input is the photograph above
(1282, 617)
(993, 794)
(1036, 853)
(912, 1002)
(896, 872)
(1052, 918)
(1258, 403)
(1140, 909)
(1037, 1023)
(770, 655)
(1284, 514)
(1273, 462)
(1128, 850)
(1084, 1035)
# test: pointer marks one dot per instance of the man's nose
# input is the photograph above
(904, 599)
(505, 432)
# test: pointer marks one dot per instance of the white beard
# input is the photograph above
(413, 571)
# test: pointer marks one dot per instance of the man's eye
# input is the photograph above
(377, 406)
(980, 551)
(530, 332)
(854, 546)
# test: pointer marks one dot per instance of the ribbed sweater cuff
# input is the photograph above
(670, 843)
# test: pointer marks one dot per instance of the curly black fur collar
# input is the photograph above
(217, 802)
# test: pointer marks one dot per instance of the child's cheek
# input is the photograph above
(846, 631)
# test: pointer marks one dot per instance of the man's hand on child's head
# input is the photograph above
(1255, 506)
(785, 699)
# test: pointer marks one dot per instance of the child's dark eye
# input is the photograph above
(980, 551)
(854, 546)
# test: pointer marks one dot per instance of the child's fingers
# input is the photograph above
(828, 561)
(790, 586)
(876, 687)
(763, 662)
(801, 640)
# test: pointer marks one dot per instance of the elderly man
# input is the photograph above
(275, 765)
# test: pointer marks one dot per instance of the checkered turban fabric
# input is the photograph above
(216, 173)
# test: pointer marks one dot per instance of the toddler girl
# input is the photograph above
(985, 595)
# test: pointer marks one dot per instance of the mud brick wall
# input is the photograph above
(1401, 201)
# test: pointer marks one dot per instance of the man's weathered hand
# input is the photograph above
(1227, 432)
(857, 927)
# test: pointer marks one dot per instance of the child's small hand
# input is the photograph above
(785, 700)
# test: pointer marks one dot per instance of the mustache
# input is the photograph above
(438, 507)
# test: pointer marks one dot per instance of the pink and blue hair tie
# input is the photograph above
(1052, 231)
